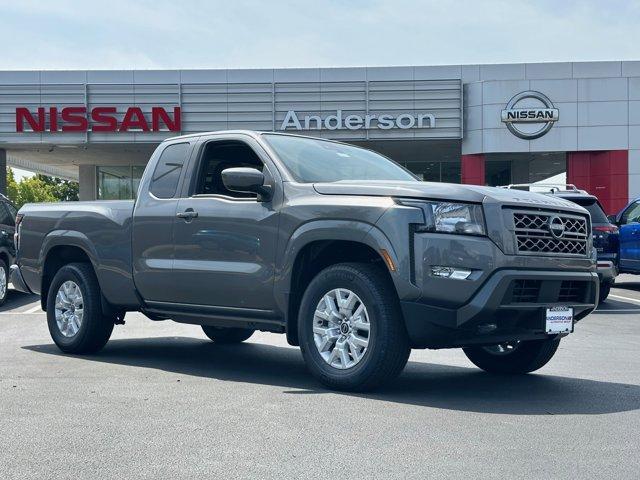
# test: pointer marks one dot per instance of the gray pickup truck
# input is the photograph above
(338, 247)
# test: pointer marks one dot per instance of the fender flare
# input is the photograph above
(67, 238)
(5, 251)
(349, 230)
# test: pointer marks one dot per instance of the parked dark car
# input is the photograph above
(338, 247)
(628, 220)
(606, 237)
(7, 251)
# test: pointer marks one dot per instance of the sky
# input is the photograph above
(19, 174)
(161, 34)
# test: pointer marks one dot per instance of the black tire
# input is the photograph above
(604, 291)
(388, 349)
(227, 335)
(526, 357)
(95, 329)
(5, 268)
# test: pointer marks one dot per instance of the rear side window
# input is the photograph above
(164, 181)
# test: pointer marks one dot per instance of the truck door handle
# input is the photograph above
(187, 215)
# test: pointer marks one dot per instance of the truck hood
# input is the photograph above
(445, 192)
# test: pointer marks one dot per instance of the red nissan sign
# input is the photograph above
(98, 119)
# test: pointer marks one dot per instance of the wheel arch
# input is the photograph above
(59, 249)
(319, 244)
(6, 256)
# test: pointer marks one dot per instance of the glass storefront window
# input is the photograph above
(429, 159)
(435, 171)
(450, 172)
(497, 172)
(507, 168)
(118, 182)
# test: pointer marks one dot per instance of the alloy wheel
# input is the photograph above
(341, 328)
(3, 282)
(69, 308)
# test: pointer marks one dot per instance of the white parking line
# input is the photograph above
(628, 299)
(35, 309)
(623, 310)
(20, 313)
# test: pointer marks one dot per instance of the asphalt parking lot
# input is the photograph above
(161, 401)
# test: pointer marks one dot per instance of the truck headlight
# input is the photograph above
(450, 217)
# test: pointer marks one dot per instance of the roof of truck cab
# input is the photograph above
(252, 133)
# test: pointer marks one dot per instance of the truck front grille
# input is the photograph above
(571, 291)
(550, 233)
(525, 291)
(546, 292)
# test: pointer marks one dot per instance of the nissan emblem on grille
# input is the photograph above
(550, 233)
(556, 226)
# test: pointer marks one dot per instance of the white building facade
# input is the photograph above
(482, 124)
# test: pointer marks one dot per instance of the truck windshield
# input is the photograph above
(310, 160)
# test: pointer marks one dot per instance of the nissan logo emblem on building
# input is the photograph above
(556, 226)
(529, 115)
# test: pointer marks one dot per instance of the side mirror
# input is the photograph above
(242, 179)
(612, 219)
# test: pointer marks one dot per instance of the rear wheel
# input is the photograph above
(351, 332)
(227, 335)
(74, 311)
(513, 357)
(604, 291)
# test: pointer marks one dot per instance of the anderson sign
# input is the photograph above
(340, 121)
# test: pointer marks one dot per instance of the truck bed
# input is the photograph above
(102, 229)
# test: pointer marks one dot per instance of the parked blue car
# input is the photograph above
(628, 220)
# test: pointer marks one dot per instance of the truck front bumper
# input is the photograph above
(607, 271)
(15, 277)
(510, 305)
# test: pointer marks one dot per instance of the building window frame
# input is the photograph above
(129, 180)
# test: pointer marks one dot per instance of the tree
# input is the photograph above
(63, 190)
(12, 186)
(40, 188)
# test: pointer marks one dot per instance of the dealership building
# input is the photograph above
(480, 124)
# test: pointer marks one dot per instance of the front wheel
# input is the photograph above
(350, 327)
(513, 357)
(604, 291)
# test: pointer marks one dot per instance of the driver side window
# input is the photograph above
(219, 156)
(632, 214)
